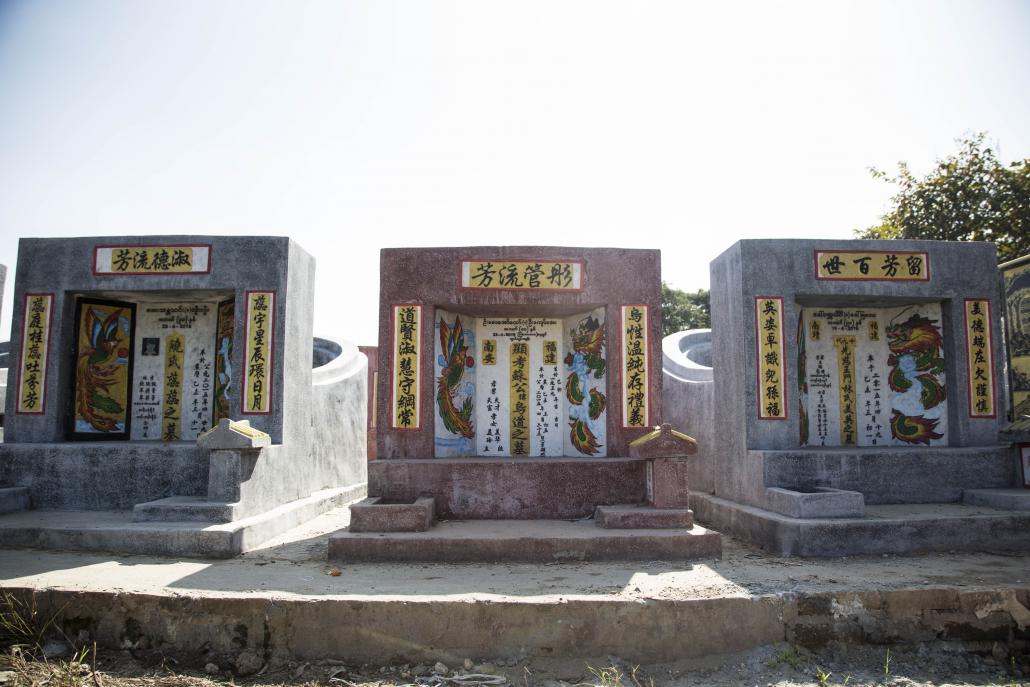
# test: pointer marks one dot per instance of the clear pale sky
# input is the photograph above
(353, 126)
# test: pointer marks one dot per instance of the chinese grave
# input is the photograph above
(139, 345)
(850, 375)
(512, 382)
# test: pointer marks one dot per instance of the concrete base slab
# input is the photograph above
(524, 541)
(1002, 499)
(184, 508)
(278, 602)
(818, 502)
(116, 531)
(903, 528)
(14, 499)
(376, 514)
(633, 517)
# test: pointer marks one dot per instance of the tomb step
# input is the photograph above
(1002, 499)
(184, 509)
(526, 541)
(13, 499)
(885, 529)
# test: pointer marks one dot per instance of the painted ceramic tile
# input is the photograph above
(586, 384)
(195, 323)
(518, 407)
(224, 332)
(873, 377)
(103, 368)
(455, 377)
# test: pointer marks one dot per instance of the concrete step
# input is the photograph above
(116, 531)
(13, 499)
(529, 541)
(1002, 499)
(184, 509)
(897, 528)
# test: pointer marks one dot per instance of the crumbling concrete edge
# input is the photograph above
(201, 628)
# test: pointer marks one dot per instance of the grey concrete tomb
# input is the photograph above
(125, 351)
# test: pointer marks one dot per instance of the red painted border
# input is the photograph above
(783, 358)
(21, 356)
(817, 251)
(990, 359)
(582, 275)
(271, 356)
(210, 255)
(1022, 470)
(622, 364)
(393, 368)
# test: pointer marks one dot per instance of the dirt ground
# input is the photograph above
(778, 665)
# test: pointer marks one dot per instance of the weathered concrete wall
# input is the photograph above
(688, 401)
(511, 488)
(338, 452)
(103, 475)
(219, 628)
(889, 475)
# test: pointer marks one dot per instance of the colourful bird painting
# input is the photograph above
(456, 359)
(98, 369)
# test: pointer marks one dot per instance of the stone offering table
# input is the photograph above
(667, 504)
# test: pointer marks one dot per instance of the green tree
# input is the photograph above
(682, 310)
(968, 196)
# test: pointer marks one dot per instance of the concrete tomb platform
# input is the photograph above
(526, 541)
(186, 536)
(885, 529)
